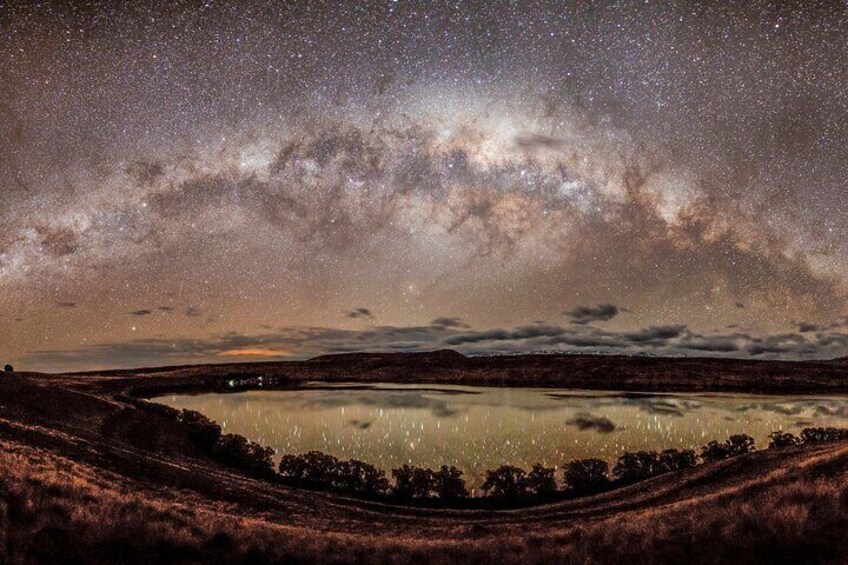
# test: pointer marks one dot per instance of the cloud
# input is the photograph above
(360, 424)
(664, 406)
(143, 312)
(308, 341)
(519, 333)
(720, 344)
(655, 334)
(359, 313)
(585, 421)
(587, 314)
(778, 344)
(449, 323)
(254, 352)
(66, 304)
(192, 312)
(166, 309)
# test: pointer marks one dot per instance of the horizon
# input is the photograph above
(479, 355)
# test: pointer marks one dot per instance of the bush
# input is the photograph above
(541, 480)
(359, 477)
(783, 439)
(203, 432)
(9, 369)
(314, 466)
(413, 482)
(735, 445)
(677, 459)
(637, 466)
(449, 484)
(740, 444)
(506, 481)
(714, 451)
(586, 475)
(818, 435)
(238, 452)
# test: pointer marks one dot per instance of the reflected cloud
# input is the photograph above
(360, 425)
(585, 422)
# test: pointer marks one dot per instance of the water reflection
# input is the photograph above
(479, 428)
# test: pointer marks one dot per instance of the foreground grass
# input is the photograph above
(56, 510)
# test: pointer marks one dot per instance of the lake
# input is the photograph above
(480, 428)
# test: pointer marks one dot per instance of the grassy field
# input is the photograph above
(86, 478)
(53, 509)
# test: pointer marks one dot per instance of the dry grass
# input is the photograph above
(53, 509)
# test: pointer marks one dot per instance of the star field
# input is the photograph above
(204, 181)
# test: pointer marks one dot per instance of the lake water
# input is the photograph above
(480, 428)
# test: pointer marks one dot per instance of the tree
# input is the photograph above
(734, 446)
(677, 459)
(541, 480)
(324, 470)
(783, 439)
(239, 452)
(412, 482)
(314, 466)
(9, 369)
(714, 451)
(506, 481)
(202, 431)
(586, 475)
(637, 466)
(740, 444)
(360, 477)
(817, 435)
(449, 484)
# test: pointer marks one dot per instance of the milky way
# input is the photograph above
(208, 182)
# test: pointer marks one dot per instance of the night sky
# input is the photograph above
(209, 182)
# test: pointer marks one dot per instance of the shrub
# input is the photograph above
(677, 459)
(449, 484)
(203, 432)
(314, 466)
(783, 439)
(541, 480)
(586, 475)
(735, 445)
(506, 481)
(412, 482)
(740, 444)
(714, 451)
(9, 369)
(327, 471)
(238, 452)
(818, 435)
(359, 477)
(637, 466)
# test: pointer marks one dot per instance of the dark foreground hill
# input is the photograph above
(88, 477)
